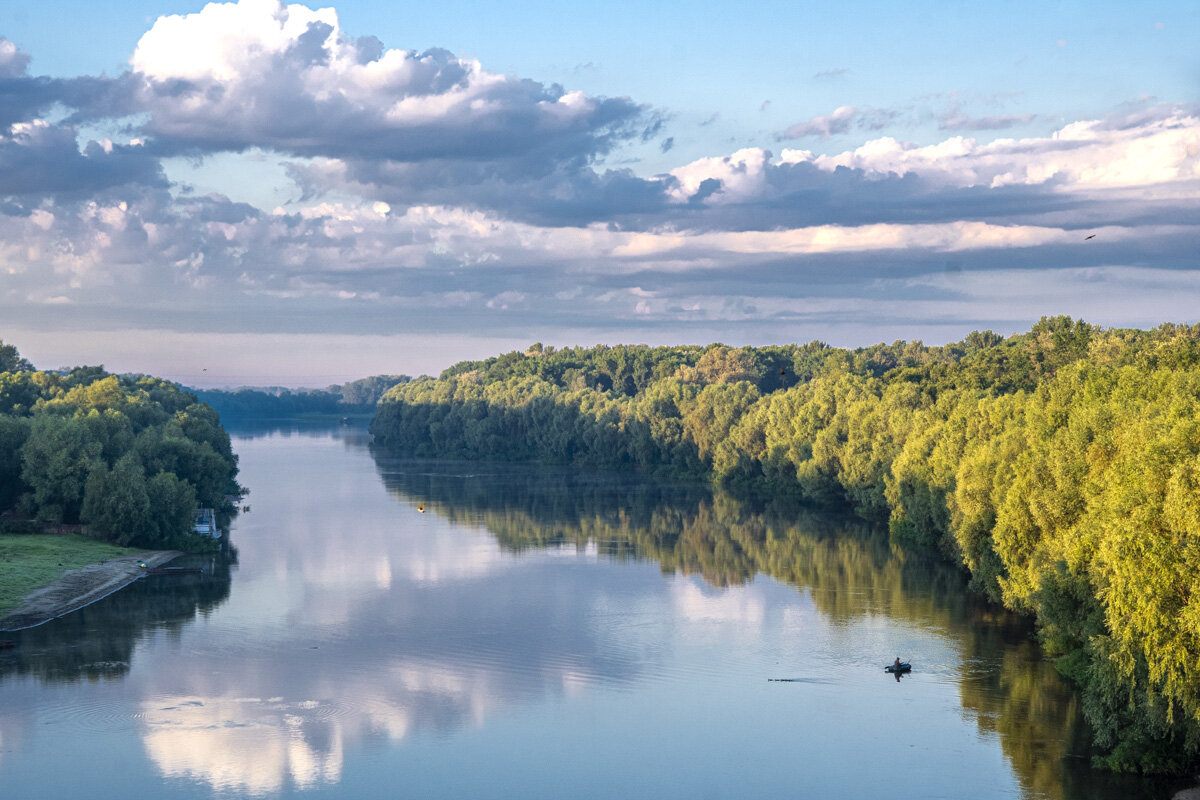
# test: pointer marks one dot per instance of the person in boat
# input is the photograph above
(896, 663)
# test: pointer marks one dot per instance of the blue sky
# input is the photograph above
(258, 193)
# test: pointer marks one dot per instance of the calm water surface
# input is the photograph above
(534, 633)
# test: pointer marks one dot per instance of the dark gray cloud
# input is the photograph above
(21, 96)
(543, 194)
(40, 159)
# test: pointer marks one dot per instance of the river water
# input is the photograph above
(384, 628)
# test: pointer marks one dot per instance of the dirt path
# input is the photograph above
(81, 587)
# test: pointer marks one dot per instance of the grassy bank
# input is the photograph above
(30, 561)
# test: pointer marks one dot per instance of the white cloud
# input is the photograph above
(1082, 155)
(741, 175)
(225, 40)
(259, 73)
(13, 62)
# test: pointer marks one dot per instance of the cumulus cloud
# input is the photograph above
(1162, 147)
(13, 61)
(259, 73)
(721, 180)
(37, 158)
(430, 127)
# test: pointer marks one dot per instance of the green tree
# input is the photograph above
(57, 458)
(14, 431)
(11, 360)
(169, 515)
(116, 502)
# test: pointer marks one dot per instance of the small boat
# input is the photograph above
(904, 667)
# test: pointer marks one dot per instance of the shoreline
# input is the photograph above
(81, 587)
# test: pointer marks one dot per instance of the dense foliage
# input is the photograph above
(131, 457)
(358, 396)
(1060, 466)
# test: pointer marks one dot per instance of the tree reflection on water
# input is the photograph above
(97, 642)
(850, 569)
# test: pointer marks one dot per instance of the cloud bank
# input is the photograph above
(438, 198)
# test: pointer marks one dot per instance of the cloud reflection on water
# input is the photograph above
(381, 623)
(246, 744)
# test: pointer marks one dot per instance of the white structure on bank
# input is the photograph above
(204, 522)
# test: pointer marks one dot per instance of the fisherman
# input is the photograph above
(896, 663)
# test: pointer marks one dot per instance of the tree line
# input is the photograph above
(1060, 466)
(130, 456)
(277, 402)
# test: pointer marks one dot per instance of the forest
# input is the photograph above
(1060, 467)
(130, 457)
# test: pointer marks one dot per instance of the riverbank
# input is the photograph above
(46, 590)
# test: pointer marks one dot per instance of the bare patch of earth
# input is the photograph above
(80, 587)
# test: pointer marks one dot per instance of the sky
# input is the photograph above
(260, 193)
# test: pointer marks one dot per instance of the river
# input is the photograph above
(386, 628)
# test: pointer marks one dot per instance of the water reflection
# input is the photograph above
(850, 569)
(348, 625)
(248, 744)
(97, 642)
(359, 639)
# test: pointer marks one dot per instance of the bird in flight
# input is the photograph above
(1090, 236)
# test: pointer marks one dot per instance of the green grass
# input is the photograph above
(30, 561)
